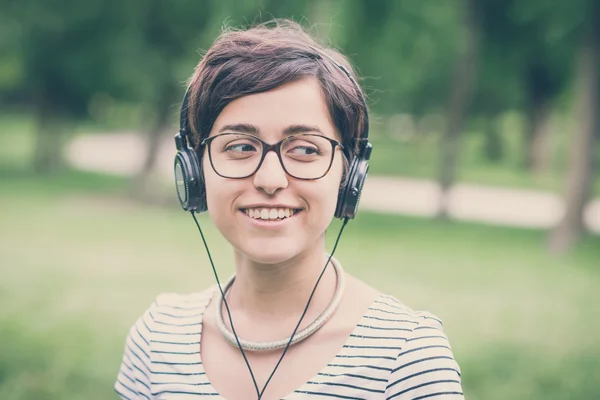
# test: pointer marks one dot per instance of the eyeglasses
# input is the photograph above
(240, 155)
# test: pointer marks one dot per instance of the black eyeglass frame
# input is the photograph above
(276, 147)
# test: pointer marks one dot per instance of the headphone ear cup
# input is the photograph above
(202, 204)
(201, 199)
(349, 195)
(189, 181)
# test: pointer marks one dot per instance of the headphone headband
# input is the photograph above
(365, 131)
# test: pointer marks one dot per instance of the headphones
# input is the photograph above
(189, 181)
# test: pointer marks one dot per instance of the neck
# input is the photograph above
(281, 291)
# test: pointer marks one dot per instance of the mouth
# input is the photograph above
(270, 214)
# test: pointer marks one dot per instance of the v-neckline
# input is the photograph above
(305, 386)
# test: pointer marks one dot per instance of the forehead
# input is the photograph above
(301, 102)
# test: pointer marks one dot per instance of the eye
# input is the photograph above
(240, 148)
(305, 151)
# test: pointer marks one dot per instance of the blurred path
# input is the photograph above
(123, 154)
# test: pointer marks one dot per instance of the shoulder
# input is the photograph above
(424, 330)
(425, 364)
(165, 325)
(165, 302)
(387, 312)
(170, 311)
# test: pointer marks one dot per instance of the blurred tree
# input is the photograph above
(526, 63)
(61, 48)
(162, 38)
(546, 44)
(580, 174)
(402, 48)
(459, 99)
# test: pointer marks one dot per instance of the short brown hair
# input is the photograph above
(243, 62)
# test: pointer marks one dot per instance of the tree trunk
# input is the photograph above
(537, 136)
(142, 183)
(461, 93)
(580, 174)
(493, 149)
(49, 141)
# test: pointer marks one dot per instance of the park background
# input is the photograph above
(498, 99)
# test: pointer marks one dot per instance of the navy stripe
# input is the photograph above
(390, 312)
(142, 372)
(394, 306)
(384, 329)
(427, 327)
(183, 308)
(140, 333)
(374, 347)
(339, 396)
(433, 346)
(130, 379)
(378, 357)
(175, 343)
(142, 361)
(178, 373)
(388, 297)
(360, 366)
(437, 394)
(125, 386)
(175, 352)
(126, 363)
(378, 337)
(122, 395)
(422, 385)
(139, 347)
(419, 374)
(174, 333)
(422, 360)
(392, 320)
(180, 316)
(369, 378)
(183, 392)
(348, 386)
(175, 363)
(426, 337)
(168, 324)
(143, 383)
(182, 383)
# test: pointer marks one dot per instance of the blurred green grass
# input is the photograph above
(81, 261)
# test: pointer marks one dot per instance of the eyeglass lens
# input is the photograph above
(304, 156)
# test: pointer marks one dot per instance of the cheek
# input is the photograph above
(326, 195)
(219, 196)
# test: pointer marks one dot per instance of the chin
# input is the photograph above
(269, 251)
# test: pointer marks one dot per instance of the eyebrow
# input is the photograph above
(253, 130)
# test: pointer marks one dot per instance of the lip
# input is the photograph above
(264, 205)
(275, 223)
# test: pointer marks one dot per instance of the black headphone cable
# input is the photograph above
(261, 392)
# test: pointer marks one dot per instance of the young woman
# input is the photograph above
(278, 127)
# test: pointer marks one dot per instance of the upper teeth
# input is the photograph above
(269, 213)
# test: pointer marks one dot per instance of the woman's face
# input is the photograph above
(238, 207)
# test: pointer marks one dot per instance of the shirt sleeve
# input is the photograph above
(425, 368)
(133, 380)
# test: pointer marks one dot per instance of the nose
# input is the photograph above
(271, 176)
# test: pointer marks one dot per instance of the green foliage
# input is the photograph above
(80, 55)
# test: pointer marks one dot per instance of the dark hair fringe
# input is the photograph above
(266, 56)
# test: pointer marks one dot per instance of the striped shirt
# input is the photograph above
(392, 353)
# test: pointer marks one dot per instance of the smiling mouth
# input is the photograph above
(270, 214)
